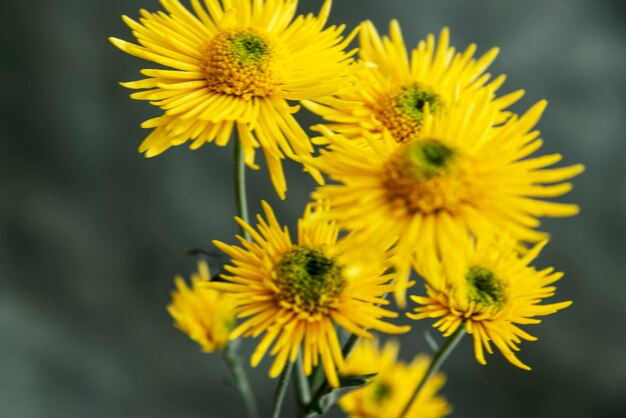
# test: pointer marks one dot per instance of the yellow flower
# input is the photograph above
(386, 395)
(297, 293)
(233, 65)
(206, 315)
(490, 290)
(395, 88)
(461, 175)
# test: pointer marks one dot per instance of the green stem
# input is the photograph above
(325, 387)
(241, 380)
(283, 382)
(240, 186)
(436, 362)
(302, 385)
(230, 353)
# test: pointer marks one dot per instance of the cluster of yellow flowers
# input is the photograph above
(431, 173)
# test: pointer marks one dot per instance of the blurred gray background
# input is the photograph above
(92, 234)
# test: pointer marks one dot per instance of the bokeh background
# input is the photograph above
(92, 234)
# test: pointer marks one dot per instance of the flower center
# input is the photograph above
(241, 62)
(402, 111)
(307, 279)
(426, 176)
(380, 392)
(485, 288)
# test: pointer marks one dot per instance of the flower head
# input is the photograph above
(461, 175)
(206, 315)
(490, 290)
(234, 65)
(396, 89)
(386, 394)
(295, 294)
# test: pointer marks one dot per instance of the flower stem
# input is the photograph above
(240, 186)
(230, 353)
(302, 385)
(283, 382)
(436, 362)
(241, 380)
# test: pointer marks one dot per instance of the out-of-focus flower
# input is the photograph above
(386, 394)
(204, 314)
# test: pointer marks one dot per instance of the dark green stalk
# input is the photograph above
(283, 382)
(240, 186)
(230, 353)
(302, 386)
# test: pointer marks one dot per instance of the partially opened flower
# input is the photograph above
(206, 315)
(296, 294)
(396, 88)
(387, 394)
(460, 175)
(490, 290)
(233, 65)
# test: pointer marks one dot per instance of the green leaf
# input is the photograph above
(352, 381)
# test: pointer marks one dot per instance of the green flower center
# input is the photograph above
(427, 158)
(380, 392)
(308, 279)
(248, 48)
(402, 111)
(484, 287)
(412, 99)
(241, 62)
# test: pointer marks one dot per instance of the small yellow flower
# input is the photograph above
(461, 175)
(206, 315)
(233, 65)
(386, 394)
(490, 290)
(297, 294)
(395, 89)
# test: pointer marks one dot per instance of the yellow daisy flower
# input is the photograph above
(206, 315)
(490, 290)
(460, 175)
(297, 293)
(234, 64)
(395, 88)
(386, 395)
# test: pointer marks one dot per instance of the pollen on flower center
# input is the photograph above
(307, 279)
(241, 62)
(402, 111)
(484, 288)
(426, 176)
